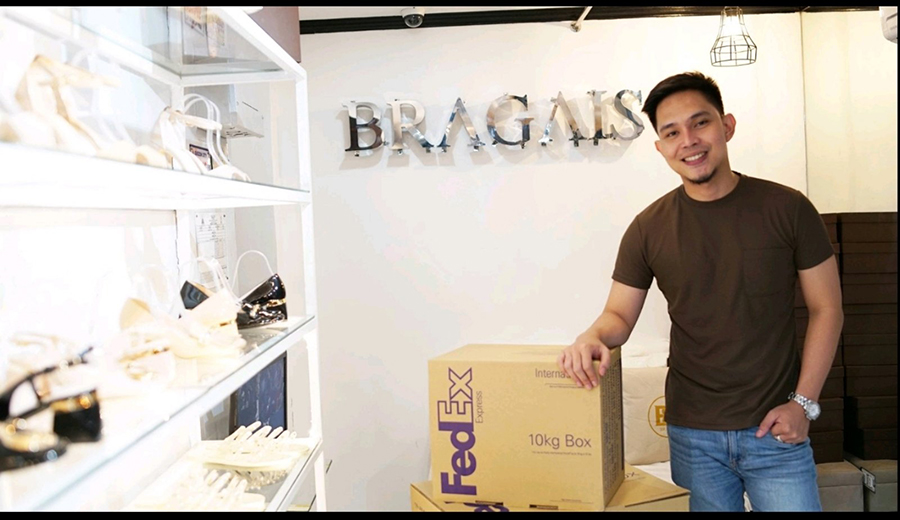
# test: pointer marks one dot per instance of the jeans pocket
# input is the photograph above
(781, 445)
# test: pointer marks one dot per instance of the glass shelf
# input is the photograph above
(129, 421)
(36, 177)
(171, 43)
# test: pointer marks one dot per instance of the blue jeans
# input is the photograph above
(718, 466)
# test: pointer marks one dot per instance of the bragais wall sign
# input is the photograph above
(500, 117)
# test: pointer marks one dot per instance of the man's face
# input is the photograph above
(693, 136)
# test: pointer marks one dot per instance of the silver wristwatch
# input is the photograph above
(810, 407)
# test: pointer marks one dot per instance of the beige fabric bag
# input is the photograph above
(644, 406)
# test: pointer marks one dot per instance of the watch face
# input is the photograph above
(814, 411)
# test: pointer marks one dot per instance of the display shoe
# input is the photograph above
(222, 166)
(258, 453)
(169, 136)
(266, 303)
(76, 415)
(139, 358)
(193, 294)
(207, 332)
(212, 325)
(20, 448)
(263, 305)
(24, 127)
(46, 90)
(36, 94)
(210, 316)
(57, 367)
(123, 150)
(111, 137)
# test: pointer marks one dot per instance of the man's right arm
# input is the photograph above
(611, 329)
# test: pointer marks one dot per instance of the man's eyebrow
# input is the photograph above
(695, 116)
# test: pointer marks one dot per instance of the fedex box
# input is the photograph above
(508, 427)
(639, 492)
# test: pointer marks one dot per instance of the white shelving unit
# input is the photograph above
(153, 432)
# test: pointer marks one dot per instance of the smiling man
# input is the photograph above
(726, 250)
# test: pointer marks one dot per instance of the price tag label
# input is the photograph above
(868, 480)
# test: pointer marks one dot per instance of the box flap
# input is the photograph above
(640, 487)
(870, 339)
(885, 471)
(884, 216)
(504, 353)
(886, 401)
(869, 247)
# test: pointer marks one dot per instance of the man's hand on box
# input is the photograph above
(577, 361)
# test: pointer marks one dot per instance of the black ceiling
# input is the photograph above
(562, 14)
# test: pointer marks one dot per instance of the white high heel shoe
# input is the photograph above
(24, 127)
(223, 167)
(208, 332)
(170, 137)
(213, 322)
(112, 141)
(37, 95)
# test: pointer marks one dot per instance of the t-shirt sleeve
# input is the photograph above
(632, 268)
(813, 243)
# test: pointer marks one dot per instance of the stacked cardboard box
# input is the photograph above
(840, 487)
(869, 286)
(880, 483)
(827, 433)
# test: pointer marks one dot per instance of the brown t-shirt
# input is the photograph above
(728, 269)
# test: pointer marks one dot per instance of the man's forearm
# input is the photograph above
(819, 348)
(610, 328)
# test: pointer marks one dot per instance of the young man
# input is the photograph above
(726, 250)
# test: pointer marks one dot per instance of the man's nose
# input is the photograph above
(689, 138)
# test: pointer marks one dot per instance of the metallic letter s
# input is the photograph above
(628, 114)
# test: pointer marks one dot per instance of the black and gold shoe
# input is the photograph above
(20, 448)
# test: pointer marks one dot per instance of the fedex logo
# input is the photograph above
(487, 508)
(456, 415)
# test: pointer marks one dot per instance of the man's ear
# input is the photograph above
(729, 122)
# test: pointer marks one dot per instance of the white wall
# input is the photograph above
(419, 254)
(851, 112)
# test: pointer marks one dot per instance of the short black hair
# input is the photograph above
(679, 83)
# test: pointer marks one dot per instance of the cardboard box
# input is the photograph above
(870, 412)
(827, 446)
(866, 381)
(871, 443)
(870, 349)
(879, 483)
(840, 487)
(640, 491)
(869, 257)
(831, 224)
(866, 288)
(868, 227)
(508, 426)
(870, 339)
(869, 355)
(870, 319)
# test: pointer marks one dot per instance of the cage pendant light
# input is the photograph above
(733, 46)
